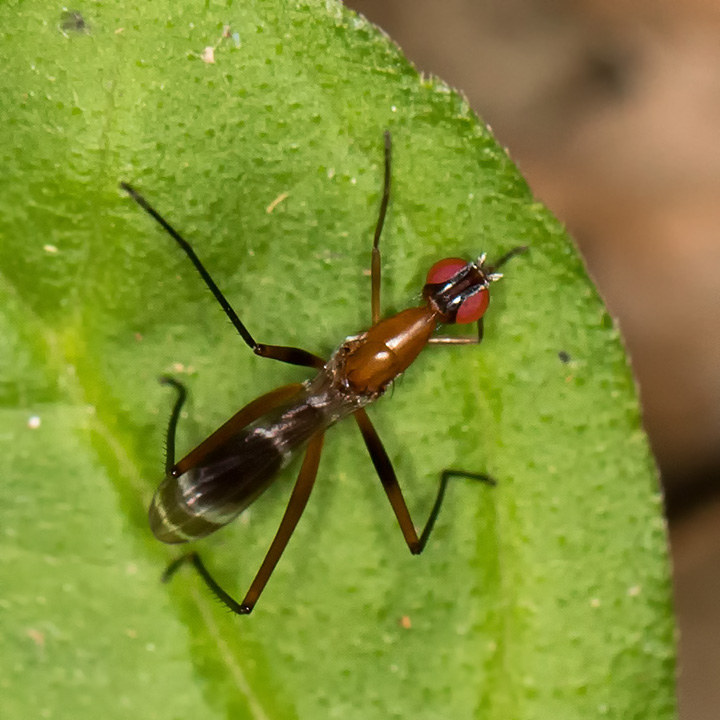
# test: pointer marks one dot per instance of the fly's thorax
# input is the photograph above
(365, 365)
(329, 390)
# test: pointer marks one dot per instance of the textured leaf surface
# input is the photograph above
(546, 597)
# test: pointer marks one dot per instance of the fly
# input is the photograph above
(217, 480)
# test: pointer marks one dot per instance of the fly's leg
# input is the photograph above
(459, 339)
(172, 423)
(376, 273)
(387, 476)
(296, 506)
(286, 354)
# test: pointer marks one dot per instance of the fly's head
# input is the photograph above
(458, 290)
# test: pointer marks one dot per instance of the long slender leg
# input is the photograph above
(387, 476)
(296, 506)
(172, 423)
(286, 354)
(375, 264)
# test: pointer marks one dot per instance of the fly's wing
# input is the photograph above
(223, 475)
(209, 495)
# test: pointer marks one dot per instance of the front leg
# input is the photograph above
(460, 340)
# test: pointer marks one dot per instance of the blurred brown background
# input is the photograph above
(612, 112)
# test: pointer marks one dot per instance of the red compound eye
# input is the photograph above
(443, 270)
(473, 308)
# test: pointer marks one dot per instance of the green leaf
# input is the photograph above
(546, 597)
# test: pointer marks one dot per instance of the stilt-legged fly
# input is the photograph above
(217, 480)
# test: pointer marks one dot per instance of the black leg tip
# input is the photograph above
(172, 382)
(175, 565)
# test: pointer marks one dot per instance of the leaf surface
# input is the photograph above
(547, 596)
